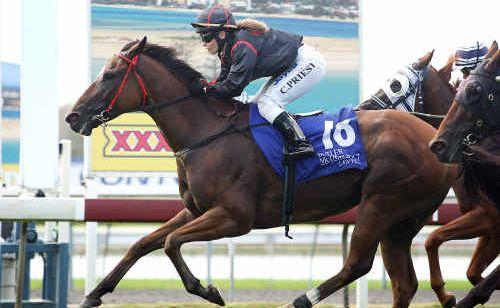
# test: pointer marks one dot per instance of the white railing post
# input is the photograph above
(91, 243)
(230, 248)
(362, 292)
(64, 183)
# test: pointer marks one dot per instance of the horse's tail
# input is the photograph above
(252, 25)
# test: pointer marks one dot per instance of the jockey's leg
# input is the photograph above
(309, 69)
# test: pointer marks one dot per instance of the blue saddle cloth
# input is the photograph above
(336, 140)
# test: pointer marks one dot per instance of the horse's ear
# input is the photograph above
(494, 64)
(445, 71)
(137, 48)
(424, 61)
(492, 50)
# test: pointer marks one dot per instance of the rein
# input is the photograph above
(428, 115)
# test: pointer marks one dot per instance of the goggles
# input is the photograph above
(207, 37)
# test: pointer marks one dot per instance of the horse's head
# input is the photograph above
(116, 90)
(474, 112)
(129, 81)
(403, 90)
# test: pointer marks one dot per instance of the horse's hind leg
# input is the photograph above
(214, 224)
(482, 291)
(469, 225)
(145, 245)
(369, 228)
(486, 251)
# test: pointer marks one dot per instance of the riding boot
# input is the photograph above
(294, 135)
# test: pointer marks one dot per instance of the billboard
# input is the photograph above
(130, 143)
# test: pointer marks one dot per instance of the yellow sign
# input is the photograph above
(130, 143)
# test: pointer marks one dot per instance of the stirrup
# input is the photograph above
(302, 151)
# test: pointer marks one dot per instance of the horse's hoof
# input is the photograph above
(214, 295)
(449, 301)
(90, 302)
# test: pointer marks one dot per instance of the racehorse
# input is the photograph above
(428, 91)
(229, 188)
(470, 134)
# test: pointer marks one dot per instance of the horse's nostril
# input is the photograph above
(72, 117)
(438, 146)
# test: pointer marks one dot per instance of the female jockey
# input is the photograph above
(249, 50)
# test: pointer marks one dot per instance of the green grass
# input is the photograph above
(250, 284)
(265, 305)
(201, 305)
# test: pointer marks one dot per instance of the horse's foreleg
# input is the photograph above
(145, 245)
(482, 291)
(486, 251)
(467, 226)
(214, 224)
(364, 241)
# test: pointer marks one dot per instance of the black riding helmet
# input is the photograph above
(215, 18)
(211, 21)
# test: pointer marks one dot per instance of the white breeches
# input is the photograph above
(277, 92)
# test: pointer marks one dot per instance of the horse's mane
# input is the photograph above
(168, 57)
(482, 169)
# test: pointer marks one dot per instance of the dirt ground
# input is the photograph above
(374, 297)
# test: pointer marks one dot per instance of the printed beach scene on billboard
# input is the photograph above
(333, 31)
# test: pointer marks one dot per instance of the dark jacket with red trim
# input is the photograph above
(248, 56)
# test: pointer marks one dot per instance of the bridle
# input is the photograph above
(147, 103)
(484, 105)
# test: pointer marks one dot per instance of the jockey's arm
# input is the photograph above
(240, 74)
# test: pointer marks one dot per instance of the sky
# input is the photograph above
(10, 31)
(398, 32)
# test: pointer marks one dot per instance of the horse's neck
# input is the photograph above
(438, 96)
(190, 121)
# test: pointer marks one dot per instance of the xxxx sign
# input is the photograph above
(130, 143)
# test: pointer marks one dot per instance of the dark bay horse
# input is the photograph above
(434, 96)
(482, 291)
(229, 188)
(469, 134)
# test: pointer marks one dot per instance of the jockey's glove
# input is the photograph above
(210, 91)
(197, 88)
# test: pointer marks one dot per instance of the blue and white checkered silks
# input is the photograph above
(470, 55)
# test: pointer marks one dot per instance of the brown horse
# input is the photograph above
(229, 188)
(436, 96)
(469, 134)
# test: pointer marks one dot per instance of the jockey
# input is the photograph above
(249, 50)
(468, 57)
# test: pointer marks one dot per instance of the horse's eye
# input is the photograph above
(473, 91)
(108, 76)
(395, 86)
